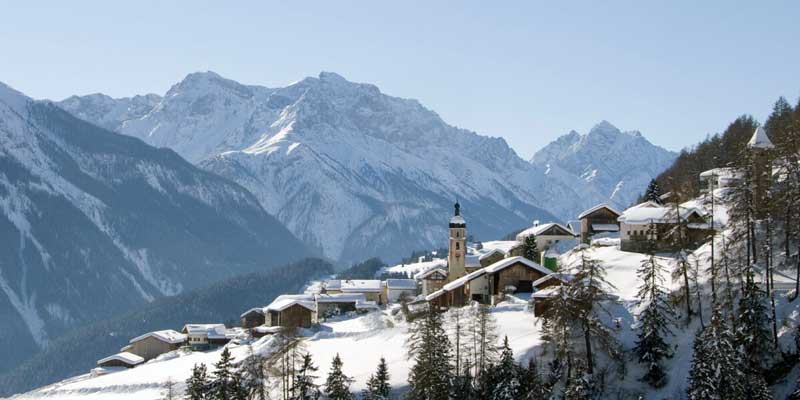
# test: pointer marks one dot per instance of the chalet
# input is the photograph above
(599, 219)
(329, 305)
(370, 288)
(635, 223)
(488, 285)
(718, 178)
(541, 297)
(153, 344)
(546, 235)
(490, 257)
(124, 360)
(204, 336)
(396, 289)
(291, 311)
(432, 280)
(253, 317)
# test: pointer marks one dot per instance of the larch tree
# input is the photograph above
(304, 387)
(481, 338)
(753, 334)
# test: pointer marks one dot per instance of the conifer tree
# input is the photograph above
(431, 376)
(463, 386)
(752, 333)
(654, 319)
(170, 393)
(254, 375)
(560, 321)
(197, 384)
(507, 386)
(337, 386)
(579, 387)
(304, 387)
(223, 387)
(529, 249)
(533, 385)
(716, 371)
(378, 387)
(487, 381)
(653, 192)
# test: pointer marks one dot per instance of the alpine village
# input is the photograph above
(707, 261)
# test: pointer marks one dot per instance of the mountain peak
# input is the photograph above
(12, 97)
(331, 77)
(603, 126)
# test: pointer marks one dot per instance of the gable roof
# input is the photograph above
(464, 279)
(649, 211)
(491, 252)
(507, 262)
(599, 207)
(125, 357)
(257, 310)
(425, 274)
(212, 331)
(360, 285)
(540, 230)
(167, 336)
(340, 298)
(281, 304)
(554, 275)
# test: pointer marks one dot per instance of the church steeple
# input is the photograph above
(456, 263)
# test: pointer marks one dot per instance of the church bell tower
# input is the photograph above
(456, 263)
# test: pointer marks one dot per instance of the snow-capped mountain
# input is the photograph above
(615, 165)
(348, 169)
(93, 223)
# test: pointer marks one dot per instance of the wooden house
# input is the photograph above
(204, 336)
(490, 257)
(718, 178)
(546, 235)
(253, 317)
(291, 312)
(601, 218)
(329, 305)
(432, 280)
(489, 285)
(636, 234)
(395, 289)
(123, 360)
(153, 344)
(370, 288)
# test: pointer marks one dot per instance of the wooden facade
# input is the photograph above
(294, 316)
(518, 275)
(151, 347)
(598, 218)
(253, 318)
(637, 238)
(492, 258)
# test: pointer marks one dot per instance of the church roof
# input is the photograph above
(760, 140)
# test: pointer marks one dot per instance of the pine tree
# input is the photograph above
(198, 383)
(654, 320)
(431, 376)
(487, 381)
(222, 384)
(752, 333)
(337, 386)
(717, 367)
(529, 249)
(304, 387)
(378, 387)
(533, 385)
(508, 384)
(463, 386)
(653, 192)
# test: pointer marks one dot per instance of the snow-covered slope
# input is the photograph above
(92, 223)
(346, 168)
(612, 164)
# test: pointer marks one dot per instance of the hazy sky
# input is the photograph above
(527, 71)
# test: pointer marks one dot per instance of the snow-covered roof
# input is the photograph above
(360, 285)
(212, 331)
(167, 336)
(472, 260)
(507, 262)
(340, 298)
(486, 254)
(409, 284)
(649, 211)
(457, 220)
(503, 245)
(435, 294)
(333, 284)
(559, 276)
(425, 274)
(127, 358)
(760, 140)
(463, 280)
(281, 304)
(720, 172)
(598, 207)
(540, 229)
(267, 329)
(259, 310)
(546, 292)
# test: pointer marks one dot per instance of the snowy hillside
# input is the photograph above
(362, 340)
(346, 168)
(93, 223)
(616, 165)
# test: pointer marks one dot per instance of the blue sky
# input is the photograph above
(526, 71)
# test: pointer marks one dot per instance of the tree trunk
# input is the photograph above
(588, 340)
